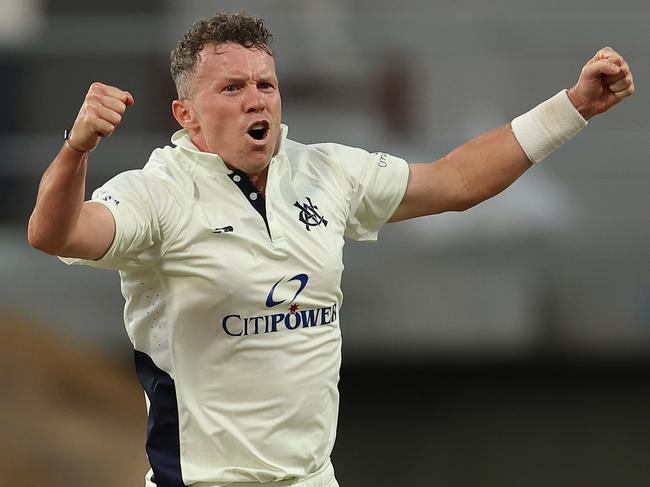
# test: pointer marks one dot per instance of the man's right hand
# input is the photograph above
(99, 115)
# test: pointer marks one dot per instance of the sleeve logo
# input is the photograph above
(383, 159)
(109, 198)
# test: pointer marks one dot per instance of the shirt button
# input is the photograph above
(236, 178)
(253, 196)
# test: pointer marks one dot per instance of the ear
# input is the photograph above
(183, 113)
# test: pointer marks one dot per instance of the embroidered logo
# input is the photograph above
(309, 216)
(108, 197)
(223, 229)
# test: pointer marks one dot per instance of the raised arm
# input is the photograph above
(488, 164)
(62, 223)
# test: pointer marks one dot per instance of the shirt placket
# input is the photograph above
(273, 178)
(259, 202)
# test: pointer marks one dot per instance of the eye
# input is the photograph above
(264, 85)
(231, 88)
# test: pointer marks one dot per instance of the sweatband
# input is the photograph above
(547, 126)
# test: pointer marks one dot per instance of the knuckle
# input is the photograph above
(627, 92)
(85, 120)
(90, 112)
(98, 123)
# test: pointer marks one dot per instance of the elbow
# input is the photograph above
(478, 195)
(462, 206)
(462, 194)
(468, 202)
(464, 200)
(38, 240)
(469, 195)
(33, 236)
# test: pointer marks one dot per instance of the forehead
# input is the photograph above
(231, 59)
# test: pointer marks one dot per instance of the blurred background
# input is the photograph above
(507, 345)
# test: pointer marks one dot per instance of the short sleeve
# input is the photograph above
(378, 183)
(130, 197)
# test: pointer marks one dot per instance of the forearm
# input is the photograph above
(487, 165)
(61, 223)
(470, 174)
(493, 161)
(60, 198)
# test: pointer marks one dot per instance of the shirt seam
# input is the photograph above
(185, 213)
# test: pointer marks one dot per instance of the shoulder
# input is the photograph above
(318, 160)
(329, 152)
(162, 170)
(167, 168)
(161, 184)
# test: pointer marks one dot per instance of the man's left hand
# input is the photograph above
(604, 81)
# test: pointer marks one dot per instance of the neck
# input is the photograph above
(259, 180)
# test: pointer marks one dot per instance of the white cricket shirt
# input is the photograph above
(233, 302)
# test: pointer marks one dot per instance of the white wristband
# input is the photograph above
(547, 126)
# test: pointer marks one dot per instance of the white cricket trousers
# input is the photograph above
(324, 477)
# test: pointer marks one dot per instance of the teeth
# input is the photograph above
(257, 126)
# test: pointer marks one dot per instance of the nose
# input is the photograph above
(254, 101)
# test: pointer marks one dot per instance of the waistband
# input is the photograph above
(323, 477)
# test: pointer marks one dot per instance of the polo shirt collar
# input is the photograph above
(214, 162)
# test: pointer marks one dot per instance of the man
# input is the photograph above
(229, 247)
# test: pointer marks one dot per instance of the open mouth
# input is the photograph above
(258, 130)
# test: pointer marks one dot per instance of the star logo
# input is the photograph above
(293, 308)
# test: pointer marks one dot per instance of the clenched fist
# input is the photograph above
(99, 115)
(604, 81)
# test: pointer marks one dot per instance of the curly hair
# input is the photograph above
(238, 27)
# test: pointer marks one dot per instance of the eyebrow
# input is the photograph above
(236, 79)
(230, 79)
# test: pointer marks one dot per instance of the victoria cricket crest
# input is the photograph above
(309, 215)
